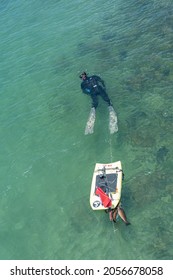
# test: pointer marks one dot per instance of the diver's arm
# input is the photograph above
(100, 80)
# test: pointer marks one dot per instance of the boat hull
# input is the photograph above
(107, 178)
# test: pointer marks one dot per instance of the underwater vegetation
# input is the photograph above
(150, 198)
(140, 56)
(61, 64)
(161, 154)
(159, 246)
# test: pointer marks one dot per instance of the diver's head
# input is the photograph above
(83, 76)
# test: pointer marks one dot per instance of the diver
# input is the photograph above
(94, 86)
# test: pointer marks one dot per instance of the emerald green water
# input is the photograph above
(46, 160)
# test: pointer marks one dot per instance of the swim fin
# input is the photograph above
(113, 122)
(89, 129)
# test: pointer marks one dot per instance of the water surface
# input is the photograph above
(46, 160)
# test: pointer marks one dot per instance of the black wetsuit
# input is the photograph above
(95, 86)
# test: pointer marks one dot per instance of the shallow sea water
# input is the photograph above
(46, 160)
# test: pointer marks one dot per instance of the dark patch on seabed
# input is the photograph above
(152, 195)
(161, 154)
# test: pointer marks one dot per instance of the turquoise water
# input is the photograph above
(46, 160)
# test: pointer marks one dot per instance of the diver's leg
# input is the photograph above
(94, 100)
(105, 97)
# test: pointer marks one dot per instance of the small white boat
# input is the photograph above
(106, 186)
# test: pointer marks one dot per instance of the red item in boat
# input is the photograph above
(106, 201)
